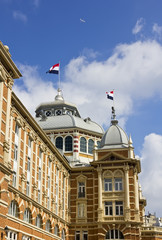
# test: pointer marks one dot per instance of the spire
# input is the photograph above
(113, 117)
(59, 96)
(130, 142)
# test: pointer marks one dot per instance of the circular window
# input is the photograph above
(58, 112)
(48, 113)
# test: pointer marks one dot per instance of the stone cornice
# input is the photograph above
(5, 169)
(7, 62)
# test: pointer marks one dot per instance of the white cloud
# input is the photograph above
(134, 71)
(151, 177)
(157, 29)
(33, 90)
(139, 26)
(20, 16)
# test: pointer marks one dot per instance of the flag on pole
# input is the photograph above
(54, 69)
(110, 95)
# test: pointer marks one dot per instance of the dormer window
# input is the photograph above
(58, 112)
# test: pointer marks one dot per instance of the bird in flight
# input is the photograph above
(82, 20)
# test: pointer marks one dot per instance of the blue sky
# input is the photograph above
(119, 46)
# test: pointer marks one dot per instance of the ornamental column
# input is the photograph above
(127, 200)
(136, 195)
(75, 146)
(100, 210)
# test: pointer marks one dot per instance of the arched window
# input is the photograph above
(114, 234)
(83, 144)
(27, 215)
(59, 142)
(38, 221)
(63, 234)
(56, 231)
(68, 143)
(90, 146)
(13, 208)
(48, 226)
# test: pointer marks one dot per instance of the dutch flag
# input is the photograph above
(110, 95)
(54, 69)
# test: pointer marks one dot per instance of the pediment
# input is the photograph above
(111, 156)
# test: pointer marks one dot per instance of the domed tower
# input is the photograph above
(74, 136)
(120, 203)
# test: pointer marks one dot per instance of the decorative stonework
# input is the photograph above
(10, 82)
(19, 121)
(23, 177)
(31, 135)
(35, 186)
(6, 146)
(2, 73)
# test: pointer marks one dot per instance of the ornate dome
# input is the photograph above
(115, 136)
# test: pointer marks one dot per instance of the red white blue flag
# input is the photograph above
(54, 69)
(110, 95)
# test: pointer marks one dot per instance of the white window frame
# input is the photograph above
(11, 235)
(81, 210)
(108, 184)
(81, 189)
(118, 183)
(119, 208)
(108, 208)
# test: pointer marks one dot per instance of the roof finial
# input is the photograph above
(113, 113)
(59, 96)
(113, 117)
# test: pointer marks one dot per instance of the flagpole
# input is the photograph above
(114, 99)
(59, 76)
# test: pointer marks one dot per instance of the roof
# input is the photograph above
(60, 114)
(114, 137)
(69, 121)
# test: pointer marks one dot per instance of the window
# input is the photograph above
(108, 184)
(13, 208)
(119, 208)
(25, 237)
(114, 234)
(81, 210)
(59, 142)
(28, 164)
(63, 234)
(77, 235)
(15, 152)
(68, 143)
(108, 209)
(83, 144)
(90, 146)
(118, 184)
(81, 189)
(56, 231)
(11, 235)
(14, 179)
(57, 189)
(27, 188)
(27, 215)
(48, 226)
(85, 235)
(39, 196)
(39, 221)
